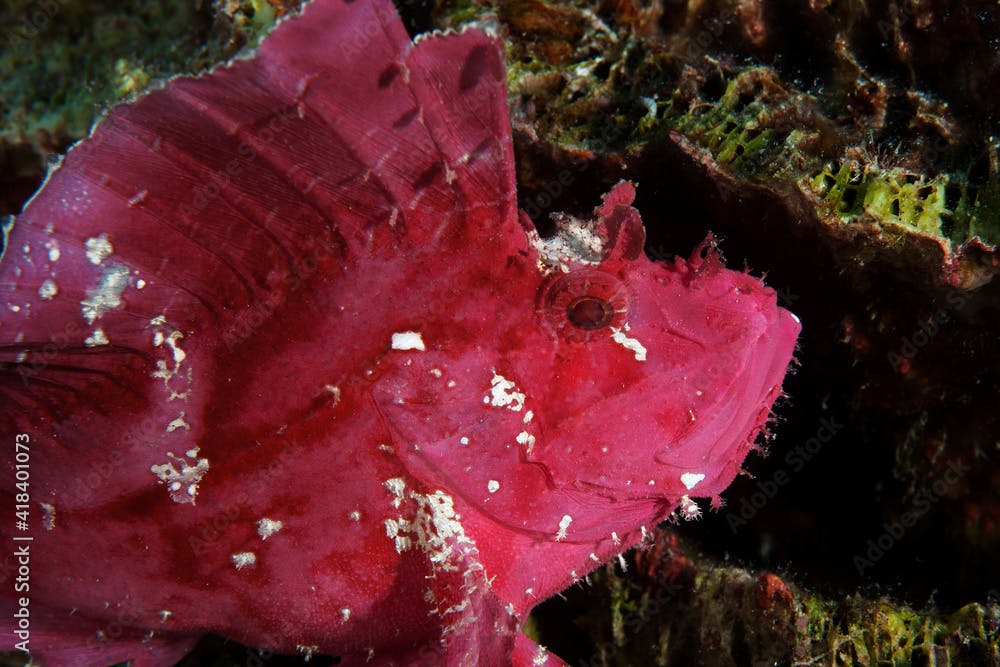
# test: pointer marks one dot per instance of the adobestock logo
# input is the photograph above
(795, 460)
(923, 501)
(910, 346)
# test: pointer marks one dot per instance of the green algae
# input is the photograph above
(689, 610)
(944, 206)
(738, 133)
(617, 88)
(63, 61)
(859, 631)
(731, 130)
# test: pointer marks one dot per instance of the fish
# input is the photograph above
(281, 360)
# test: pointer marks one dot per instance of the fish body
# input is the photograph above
(290, 367)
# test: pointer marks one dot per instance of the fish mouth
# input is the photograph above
(717, 445)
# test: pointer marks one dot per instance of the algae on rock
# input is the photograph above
(63, 61)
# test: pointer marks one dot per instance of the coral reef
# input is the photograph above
(674, 608)
(65, 60)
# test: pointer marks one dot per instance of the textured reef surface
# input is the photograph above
(64, 60)
(849, 149)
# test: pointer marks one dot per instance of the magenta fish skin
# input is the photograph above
(283, 362)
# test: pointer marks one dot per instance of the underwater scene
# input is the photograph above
(499, 332)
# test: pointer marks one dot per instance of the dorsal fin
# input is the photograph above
(339, 139)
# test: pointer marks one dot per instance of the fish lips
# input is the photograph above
(721, 438)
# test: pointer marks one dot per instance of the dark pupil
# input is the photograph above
(588, 312)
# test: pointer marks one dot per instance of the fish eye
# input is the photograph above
(589, 312)
(581, 304)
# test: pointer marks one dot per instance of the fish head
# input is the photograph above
(585, 380)
(658, 377)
